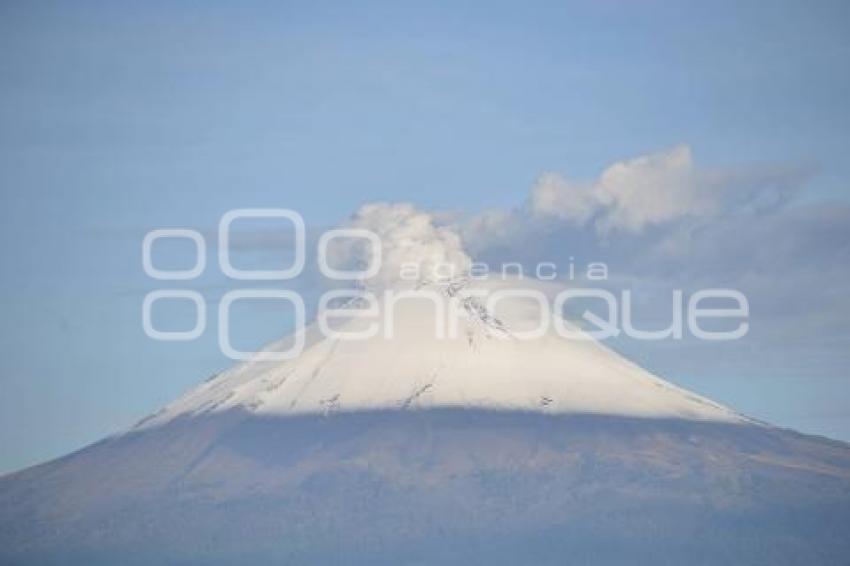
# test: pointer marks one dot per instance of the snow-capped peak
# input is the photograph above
(479, 363)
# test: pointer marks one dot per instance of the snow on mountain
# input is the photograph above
(475, 445)
(484, 364)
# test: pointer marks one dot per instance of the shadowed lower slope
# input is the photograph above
(435, 486)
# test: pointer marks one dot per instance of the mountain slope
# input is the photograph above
(486, 362)
(445, 486)
(483, 448)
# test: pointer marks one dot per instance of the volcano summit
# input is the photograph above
(418, 450)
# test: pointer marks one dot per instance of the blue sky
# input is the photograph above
(117, 119)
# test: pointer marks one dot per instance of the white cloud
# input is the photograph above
(660, 222)
(606, 217)
(555, 196)
(629, 195)
(408, 236)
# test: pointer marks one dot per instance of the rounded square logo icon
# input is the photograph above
(353, 233)
(263, 355)
(174, 275)
(177, 335)
(290, 272)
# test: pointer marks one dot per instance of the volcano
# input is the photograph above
(414, 448)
